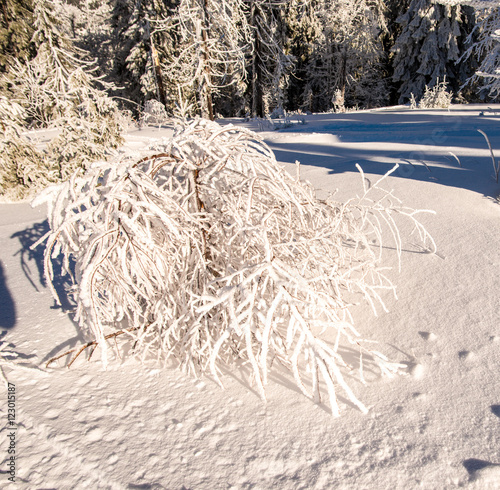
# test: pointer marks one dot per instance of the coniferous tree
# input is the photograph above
(22, 165)
(486, 50)
(139, 48)
(429, 46)
(88, 24)
(56, 89)
(394, 9)
(40, 85)
(16, 31)
(268, 64)
(207, 59)
(304, 29)
(345, 66)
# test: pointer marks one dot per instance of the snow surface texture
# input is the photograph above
(136, 426)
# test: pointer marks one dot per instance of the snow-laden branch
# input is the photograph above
(207, 252)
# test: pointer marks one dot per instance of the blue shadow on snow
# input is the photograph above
(28, 256)
(7, 305)
(423, 151)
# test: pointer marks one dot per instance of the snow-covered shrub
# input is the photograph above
(413, 101)
(126, 120)
(207, 252)
(338, 101)
(278, 113)
(436, 97)
(154, 113)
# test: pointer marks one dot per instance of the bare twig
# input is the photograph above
(82, 348)
(496, 167)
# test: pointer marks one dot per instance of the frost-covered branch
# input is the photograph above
(207, 252)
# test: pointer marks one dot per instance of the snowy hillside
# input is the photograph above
(140, 426)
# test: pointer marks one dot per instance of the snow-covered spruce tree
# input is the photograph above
(57, 90)
(16, 31)
(303, 30)
(394, 10)
(88, 24)
(487, 52)
(208, 57)
(205, 251)
(268, 64)
(140, 49)
(429, 45)
(345, 64)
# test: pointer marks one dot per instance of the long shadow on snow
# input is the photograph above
(412, 127)
(10, 352)
(28, 257)
(7, 306)
(476, 173)
(243, 374)
(34, 258)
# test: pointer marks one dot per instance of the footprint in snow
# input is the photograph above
(465, 355)
(428, 336)
(415, 369)
(496, 410)
(483, 474)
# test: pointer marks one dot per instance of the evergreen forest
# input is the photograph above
(223, 58)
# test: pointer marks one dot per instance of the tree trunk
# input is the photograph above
(257, 92)
(206, 89)
(343, 74)
(160, 90)
(159, 80)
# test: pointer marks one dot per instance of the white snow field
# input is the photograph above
(138, 426)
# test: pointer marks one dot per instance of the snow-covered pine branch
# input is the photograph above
(207, 252)
(56, 89)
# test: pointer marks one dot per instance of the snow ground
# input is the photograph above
(138, 426)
